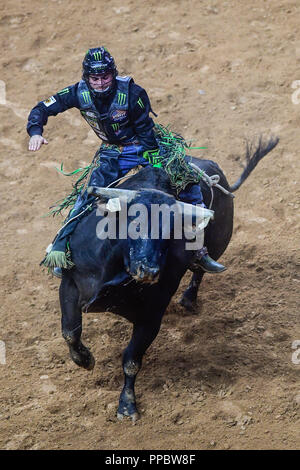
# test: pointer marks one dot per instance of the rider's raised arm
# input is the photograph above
(139, 111)
(63, 100)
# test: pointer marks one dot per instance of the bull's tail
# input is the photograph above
(253, 157)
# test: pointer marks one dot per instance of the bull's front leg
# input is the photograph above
(188, 300)
(71, 322)
(142, 337)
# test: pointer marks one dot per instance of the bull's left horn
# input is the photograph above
(108, 193)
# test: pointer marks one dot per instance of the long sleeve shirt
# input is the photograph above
(67, 98)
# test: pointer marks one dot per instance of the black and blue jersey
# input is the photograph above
(120, 118)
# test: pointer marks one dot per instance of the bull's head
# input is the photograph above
(149, 217)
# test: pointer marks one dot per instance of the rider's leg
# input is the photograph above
(193, 195)
(131, 157)
(106, 172)
(107, 169)
(57, 258)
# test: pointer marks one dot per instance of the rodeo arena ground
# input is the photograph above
(221, 355)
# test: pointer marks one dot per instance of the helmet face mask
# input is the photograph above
(99, 63)
(101, 82)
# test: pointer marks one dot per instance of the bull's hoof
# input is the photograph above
(133, 415)
(188, 304)
(82, 357)
(127, 408)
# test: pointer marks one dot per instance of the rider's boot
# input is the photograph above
(206, 263)
(56, 253)
(57, 272)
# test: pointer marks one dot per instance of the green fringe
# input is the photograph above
(58, 259)
(173, 160)
(173, 149)
(78, 187)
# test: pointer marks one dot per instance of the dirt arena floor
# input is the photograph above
(227, 375)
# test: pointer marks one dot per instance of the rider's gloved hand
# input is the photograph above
(36, 141)
(153, 157)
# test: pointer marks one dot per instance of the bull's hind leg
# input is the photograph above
(142, 337)
(71, 322)
(188, 300)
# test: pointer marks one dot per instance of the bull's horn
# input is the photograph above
(202, 214)
(109, 193)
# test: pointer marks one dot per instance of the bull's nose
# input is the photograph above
(144, 273)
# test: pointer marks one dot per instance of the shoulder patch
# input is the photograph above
(121, 99)
(86, 96)
(49, 101)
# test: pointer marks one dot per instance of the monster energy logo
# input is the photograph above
(86, 96)
(121, 98)
(140, 103)
(115, 127)
(97, 55)
(63, 91)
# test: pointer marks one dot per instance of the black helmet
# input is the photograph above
(98, 61)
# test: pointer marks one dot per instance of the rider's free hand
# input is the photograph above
(36, 141)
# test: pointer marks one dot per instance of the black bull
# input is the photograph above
(111, 274)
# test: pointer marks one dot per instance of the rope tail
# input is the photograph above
(253, 157)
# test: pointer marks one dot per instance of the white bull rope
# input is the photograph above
(211, 181)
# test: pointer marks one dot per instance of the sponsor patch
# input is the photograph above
(118, 115)
(89, 113)
(91, 119)
(101, 135)
(49, 101)
(93, 123)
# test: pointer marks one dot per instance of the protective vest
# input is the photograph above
(113, 126)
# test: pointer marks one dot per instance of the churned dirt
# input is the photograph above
(225, 376)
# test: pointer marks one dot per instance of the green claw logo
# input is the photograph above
(115, 127)
(140, 103)
(121, 98)
(97, 55)
(86, 96)
(63, 91)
